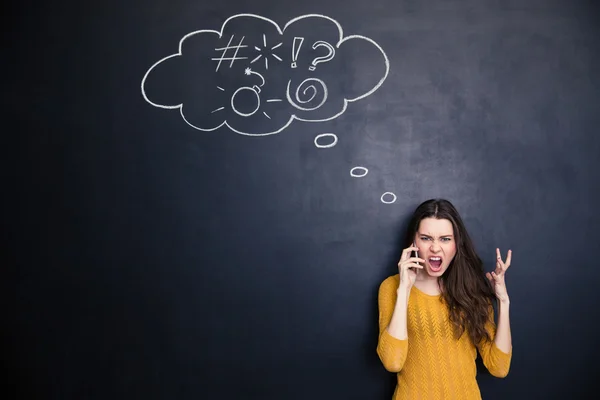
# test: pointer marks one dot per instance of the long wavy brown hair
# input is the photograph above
(464, 287)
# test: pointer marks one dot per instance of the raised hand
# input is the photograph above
(408, 267)
(497, 277)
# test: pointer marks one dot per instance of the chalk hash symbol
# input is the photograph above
(225, 51)
(303, 99)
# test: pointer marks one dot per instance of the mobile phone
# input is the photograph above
(416, 253)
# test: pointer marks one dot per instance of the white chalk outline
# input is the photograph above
(261, 54)
(248, 71)
(256, 89)
(388, 202)
(287, 94)
(225, 50)
(352, 174)
(293, 117)
(296, 49)
(257, 103)
(326, 146)
(321, 59)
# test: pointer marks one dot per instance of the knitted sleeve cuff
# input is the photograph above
(392, 351)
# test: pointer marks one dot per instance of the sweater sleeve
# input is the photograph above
(392, 351)
(495, 360)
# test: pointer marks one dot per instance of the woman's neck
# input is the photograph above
(428, 284)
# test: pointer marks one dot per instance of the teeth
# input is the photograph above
(435, 258)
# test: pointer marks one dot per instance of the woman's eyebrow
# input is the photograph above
(424, 234)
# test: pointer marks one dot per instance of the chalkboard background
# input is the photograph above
(153, 260)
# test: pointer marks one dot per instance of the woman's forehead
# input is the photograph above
(435, 227)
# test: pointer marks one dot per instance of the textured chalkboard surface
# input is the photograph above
(203, 197)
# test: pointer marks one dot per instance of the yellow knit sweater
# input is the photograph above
(431, 363)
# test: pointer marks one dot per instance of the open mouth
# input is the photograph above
(435, 263)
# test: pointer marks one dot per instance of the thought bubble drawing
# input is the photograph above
(388, 198)
(256, 78)
(321, 145)
(362, 171)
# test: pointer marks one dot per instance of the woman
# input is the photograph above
(437, 312)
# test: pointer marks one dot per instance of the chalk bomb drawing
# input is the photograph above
(256, 78)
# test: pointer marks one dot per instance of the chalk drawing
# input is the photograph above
(321, 59)
(363, 172)
(237, 49)
(328, 145)
(388, 194)
(249, 72)
(244, 89)
(296, 45)
(226, 49)
(314, 90)
(255, 90)
(263, 50)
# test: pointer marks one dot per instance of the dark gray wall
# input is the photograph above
(153, 260)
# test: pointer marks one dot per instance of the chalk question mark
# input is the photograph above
(324, 58)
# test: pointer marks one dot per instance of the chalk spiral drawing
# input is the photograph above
(262, 61)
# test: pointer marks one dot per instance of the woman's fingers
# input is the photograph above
(494, 277)
(415, 259)
(501, 266)
(504, 264)
(411, 265)
(406, 252)
(498, 255)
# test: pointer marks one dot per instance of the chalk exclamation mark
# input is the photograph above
(296, 50)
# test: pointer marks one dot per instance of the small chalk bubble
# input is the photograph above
(326, 146)
(388, 194)
(362, 171)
